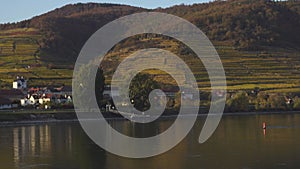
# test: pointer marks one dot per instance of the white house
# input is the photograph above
(44, 100)
(29, 100)
(20, 83)
(187, 96)
(69, 99)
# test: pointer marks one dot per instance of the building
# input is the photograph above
(12, 94)
(29, 100)
(169, 91)
(5, 103)
(63, 99)
(45, 98)
(63, 90)
(20, 83)
(66, 90)
(189, 93)
(110, 92)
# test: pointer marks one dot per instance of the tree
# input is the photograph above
(277, 102)
(238, 103)
(82, 87)
(14, 46)
(272, 101)
(296, 105)
(99, 86)
(261, 102)
(140, 87)
(177, 101)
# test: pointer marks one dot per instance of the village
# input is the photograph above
(20, 96)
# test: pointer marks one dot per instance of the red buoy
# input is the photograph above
(264, 125)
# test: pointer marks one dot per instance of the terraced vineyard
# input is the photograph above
(44, 48)
(275, 70)
(20, 56)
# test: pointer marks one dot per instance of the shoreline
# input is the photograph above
(28, 117)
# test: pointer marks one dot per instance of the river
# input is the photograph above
(238, 143)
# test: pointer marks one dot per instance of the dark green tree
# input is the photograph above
(14, 46)
(140, 87)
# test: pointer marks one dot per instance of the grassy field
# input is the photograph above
(24, 60)
(274, 70)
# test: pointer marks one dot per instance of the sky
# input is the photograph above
(18, 10)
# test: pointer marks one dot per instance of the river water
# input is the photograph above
(238, 143)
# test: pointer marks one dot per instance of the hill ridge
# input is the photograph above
(258, 42)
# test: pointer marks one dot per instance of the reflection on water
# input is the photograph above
(47, 146)
(34, 141)
(239, 143)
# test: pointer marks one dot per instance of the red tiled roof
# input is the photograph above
(48, 95)
(34, 89)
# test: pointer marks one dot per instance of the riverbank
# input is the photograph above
(32, 116)
(23, 116)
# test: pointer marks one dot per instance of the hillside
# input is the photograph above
(20, 56)
(59, 27)
(50, 47)
(258, 42)
(245, 24)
